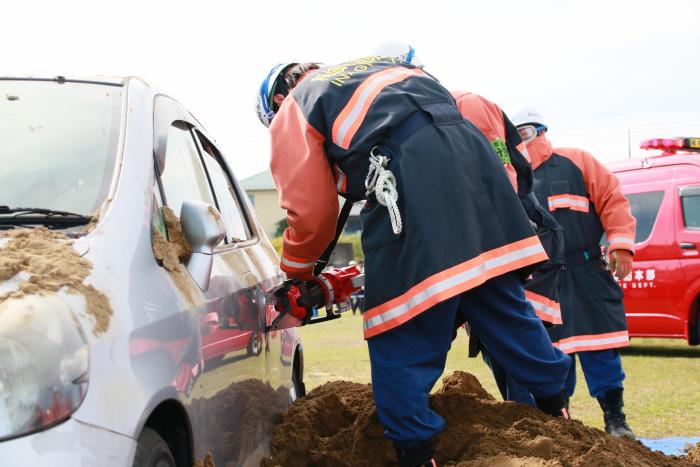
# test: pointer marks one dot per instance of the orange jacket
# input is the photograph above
(489, 118)
(307, 190)
(541, 289)
(603, 188)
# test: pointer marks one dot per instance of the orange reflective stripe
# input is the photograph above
(568, 201)
(353, 114)
(608, 340)
(450, 282)
(545, 308)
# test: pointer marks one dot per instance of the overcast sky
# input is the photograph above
(595, 69)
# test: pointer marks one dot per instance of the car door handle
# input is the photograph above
(687, 246)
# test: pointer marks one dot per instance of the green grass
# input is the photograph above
(662, 388)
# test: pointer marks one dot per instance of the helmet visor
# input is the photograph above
(530, 132)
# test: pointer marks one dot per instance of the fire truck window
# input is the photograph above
(691, 211)
(645, 207)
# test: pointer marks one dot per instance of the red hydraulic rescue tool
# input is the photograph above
(295, 300)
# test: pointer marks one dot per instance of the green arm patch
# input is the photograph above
(501, 150)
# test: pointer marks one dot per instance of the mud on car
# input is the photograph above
(133, 281)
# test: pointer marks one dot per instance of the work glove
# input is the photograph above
(621, 263)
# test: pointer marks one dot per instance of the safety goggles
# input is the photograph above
(529, 132)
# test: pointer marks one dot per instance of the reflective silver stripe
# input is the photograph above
(450, 282)
(594, 341)
(566, 202)
(355, 112)
(546, 309)
(615, 240)
(294, 264)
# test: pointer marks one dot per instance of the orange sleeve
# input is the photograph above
(488, 118)
(612, 207)
(306, 189)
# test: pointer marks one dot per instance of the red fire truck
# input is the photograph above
(662, 294)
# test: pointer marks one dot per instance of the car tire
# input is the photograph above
(694, 331)
(298, 388)
(255, 344)
(152, 450)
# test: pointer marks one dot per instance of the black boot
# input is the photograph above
(615, 420)
(556, 405)
(418, 455)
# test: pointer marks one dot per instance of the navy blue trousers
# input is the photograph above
(601, 368)
(408, 360)
(509, 389)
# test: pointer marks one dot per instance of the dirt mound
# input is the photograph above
(243, 416)
(694, 454)
(336, 425)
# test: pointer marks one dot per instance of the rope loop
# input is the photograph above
(382, 183)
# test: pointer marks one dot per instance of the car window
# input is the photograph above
(691, 209)
(237, 228)
(645, 208)
(183, 177)
(58, 143)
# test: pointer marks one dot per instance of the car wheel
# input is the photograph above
(694, 331)
(298, 388)
(152, 450)
(255, 344)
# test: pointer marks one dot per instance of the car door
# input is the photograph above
(241, 401)
(688, 248)
(647, 288)
(180, 176)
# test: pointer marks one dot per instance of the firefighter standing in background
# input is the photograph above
(541, 289)
(445, 237)
(585, 198)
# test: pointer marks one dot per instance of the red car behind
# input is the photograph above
(661, 293)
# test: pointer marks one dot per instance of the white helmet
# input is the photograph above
(399, 49)
(268, 88)
(528, 115)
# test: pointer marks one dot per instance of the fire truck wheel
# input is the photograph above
(152, 450)
(694, 331)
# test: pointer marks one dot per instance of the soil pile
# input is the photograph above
(336, 425)
(243, 415)
(48, 262)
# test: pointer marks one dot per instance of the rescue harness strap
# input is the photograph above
(322, 262)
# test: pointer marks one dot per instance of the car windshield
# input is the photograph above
(58, 143)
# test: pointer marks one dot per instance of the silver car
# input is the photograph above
(133, 276)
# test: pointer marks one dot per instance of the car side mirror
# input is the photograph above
(204, 229)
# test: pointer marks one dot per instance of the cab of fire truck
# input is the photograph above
(662, 294)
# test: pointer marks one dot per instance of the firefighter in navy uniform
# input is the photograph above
(541, 289)
(445, 237)
(585, 198)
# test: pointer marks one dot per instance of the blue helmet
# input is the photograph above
(268, 88)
